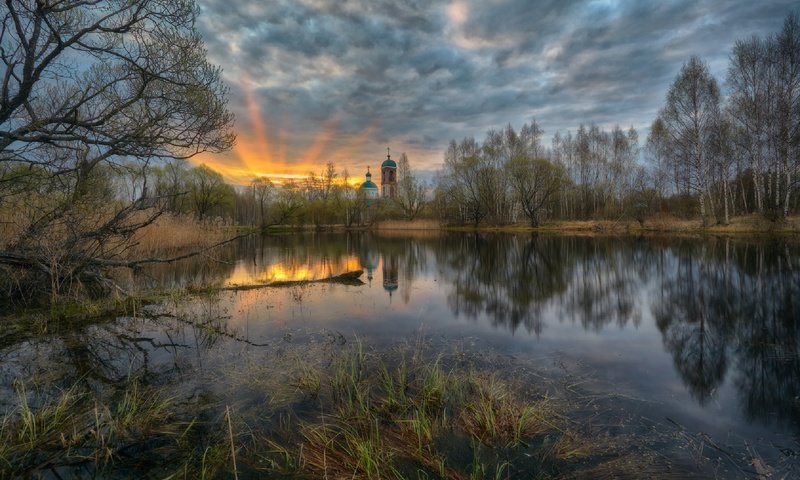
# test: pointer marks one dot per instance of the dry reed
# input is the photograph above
(175, 233)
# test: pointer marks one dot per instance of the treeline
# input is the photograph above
(511, 177)
(330, 197)
(706, 154)
(737, 154)
(321, 199)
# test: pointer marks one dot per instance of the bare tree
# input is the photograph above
(764, 107)
(691, 120)
(287, 205)
(462, 184)
(657, 154)
(749, 79)
(263, 192)
(172, 179)
(787, 50)
(208, 191)
(88, 84)
(410, 191)
(535, 182)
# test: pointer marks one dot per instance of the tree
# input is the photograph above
(691, 120)
(787, 50)
(410, 191)
(535, 183)
(208, 191)
(287, 205)
(749, 79)
(658, 157)
(764, 110)
(465, 180)
(88, 85)
(172, 184)
(263, 193)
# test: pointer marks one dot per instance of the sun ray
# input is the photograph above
(343, 154)
(260, 153)
(315, 151)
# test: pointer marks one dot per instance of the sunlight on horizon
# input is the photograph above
(261, 150)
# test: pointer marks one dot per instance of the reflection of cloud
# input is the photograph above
(292, 270)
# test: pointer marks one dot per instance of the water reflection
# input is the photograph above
(508, 279)
(719, 313)
(734, 305)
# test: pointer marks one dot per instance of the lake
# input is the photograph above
(690, 344)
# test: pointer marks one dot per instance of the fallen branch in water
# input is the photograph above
(347, 278)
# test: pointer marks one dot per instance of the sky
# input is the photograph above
(315, 81)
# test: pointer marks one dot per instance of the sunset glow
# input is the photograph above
(262, 149)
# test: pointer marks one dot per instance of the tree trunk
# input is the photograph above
(703, 209)
(744, 195)
(726, 218)
(788, 193)
(757, 189)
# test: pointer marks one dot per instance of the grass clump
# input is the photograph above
(73, 428)
(342, 413)
(382, 417)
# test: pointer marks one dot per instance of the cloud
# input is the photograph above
(339, 81)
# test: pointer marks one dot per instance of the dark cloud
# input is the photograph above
(419, 73)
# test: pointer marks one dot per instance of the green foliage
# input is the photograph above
(208, 192)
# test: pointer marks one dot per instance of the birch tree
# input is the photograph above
(691, 120)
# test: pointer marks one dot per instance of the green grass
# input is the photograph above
(73, 427)
(378, 418)
(408, 413)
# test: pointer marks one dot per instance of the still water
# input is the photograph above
(703, 334)
(708, 329)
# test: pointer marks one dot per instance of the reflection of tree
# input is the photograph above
(508, 278)
(604, 282)
(735, 303)
(768, 333)
(209, 269)
(693, 330)
(95, 359)
(512, 279)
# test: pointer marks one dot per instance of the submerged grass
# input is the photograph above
(382, 417)
(324, 412)
(73, 428)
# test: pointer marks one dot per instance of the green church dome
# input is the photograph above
(389, 163)
(369, 184)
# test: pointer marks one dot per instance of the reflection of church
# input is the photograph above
(389, 267)
(371, 259)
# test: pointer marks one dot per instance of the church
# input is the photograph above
(388, 188)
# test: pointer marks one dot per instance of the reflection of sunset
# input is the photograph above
(292, 271)
(262, 149)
